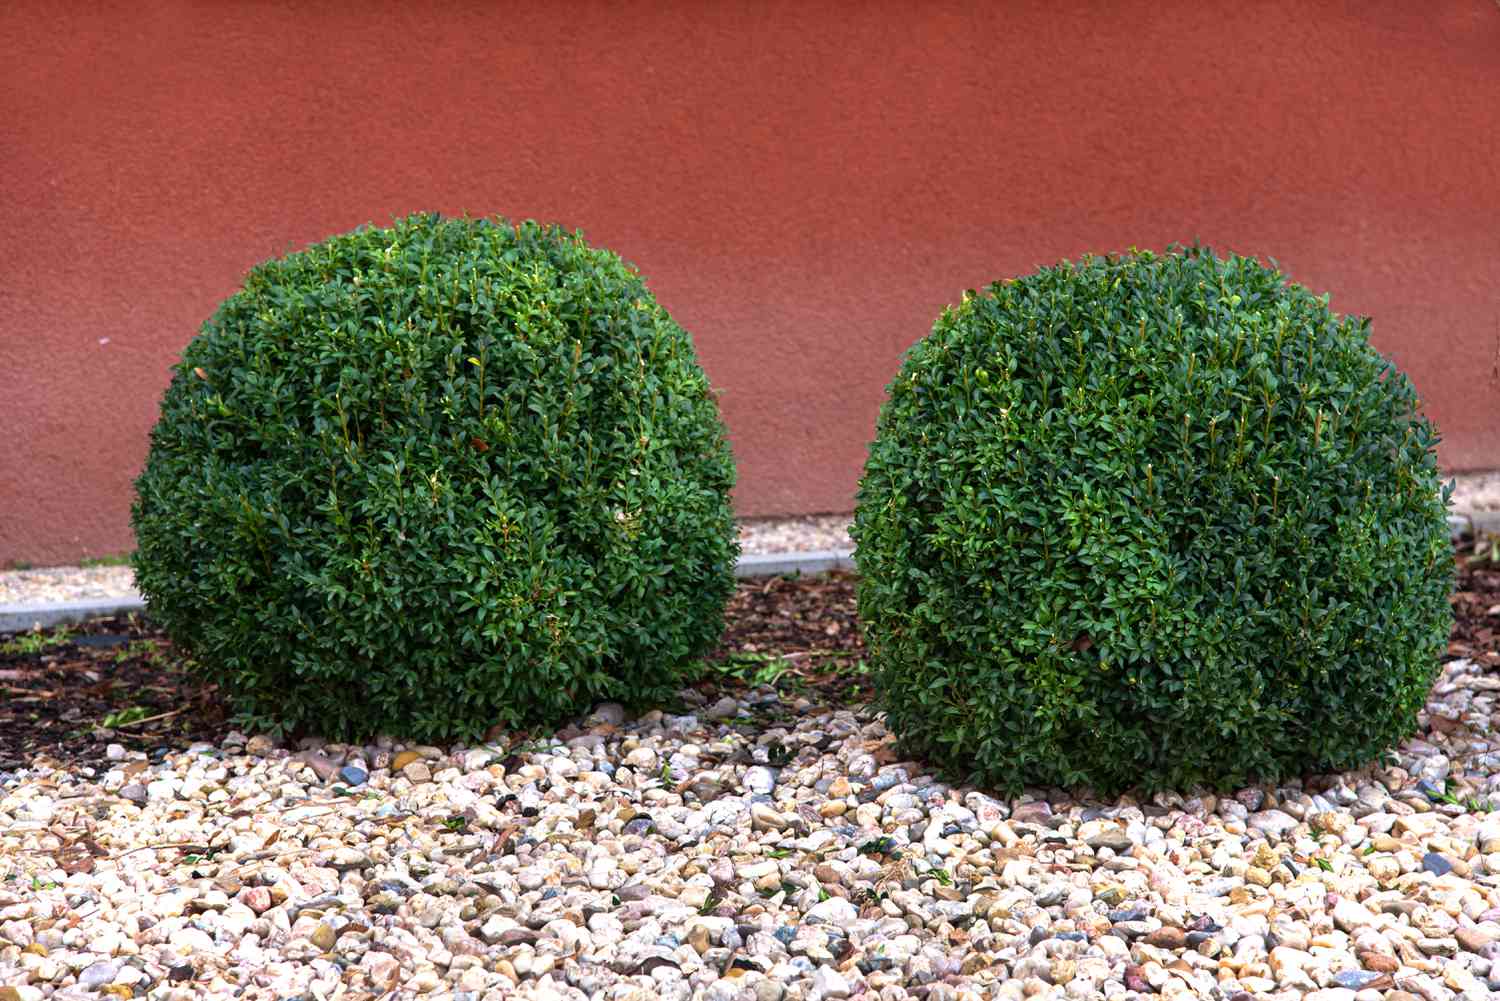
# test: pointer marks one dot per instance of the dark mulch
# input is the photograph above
(64, 696)
(1476, 604)
(799, 633)
(68, 693)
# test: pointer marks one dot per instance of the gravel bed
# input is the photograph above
(753, 848)
(53, 585)
(795, 535)
(1476, 492)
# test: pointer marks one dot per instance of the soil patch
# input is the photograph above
(67, 694)
(70, 692)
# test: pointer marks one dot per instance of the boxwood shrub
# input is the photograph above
(426, 479)
(1155, 520)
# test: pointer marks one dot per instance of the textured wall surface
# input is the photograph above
(803, 185)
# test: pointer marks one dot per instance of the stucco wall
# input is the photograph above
(804, 186)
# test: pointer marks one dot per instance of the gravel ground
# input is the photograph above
(760, 848)
(756, 849)
(1476, 492)
(51, 585)
(795, 535)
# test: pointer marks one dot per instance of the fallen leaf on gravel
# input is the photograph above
(73, 863)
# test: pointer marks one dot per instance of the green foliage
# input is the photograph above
(752, 669)
(1154, 520)
(31, 643)
(1486, 548)
(112, 560)
(124, 717)
(426, 479)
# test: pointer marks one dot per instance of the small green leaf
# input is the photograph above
(134, 714)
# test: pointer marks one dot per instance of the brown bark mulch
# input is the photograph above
(1476, 607)
(65, 695)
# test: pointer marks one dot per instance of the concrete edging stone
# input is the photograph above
(18, 618)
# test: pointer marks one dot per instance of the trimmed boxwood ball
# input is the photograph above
(1151, 520)
(427, 479)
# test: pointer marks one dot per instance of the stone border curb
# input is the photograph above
(809, 562)
(1464, 526)
(19, 618)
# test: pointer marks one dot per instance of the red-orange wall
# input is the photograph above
(803, 184)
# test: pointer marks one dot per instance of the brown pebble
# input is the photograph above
(1378, 962)
(323, 936)
(1473, 939)
(1036, 812)
(322, 765)
(403, 759)
(1167, 937)
(1402, 906)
